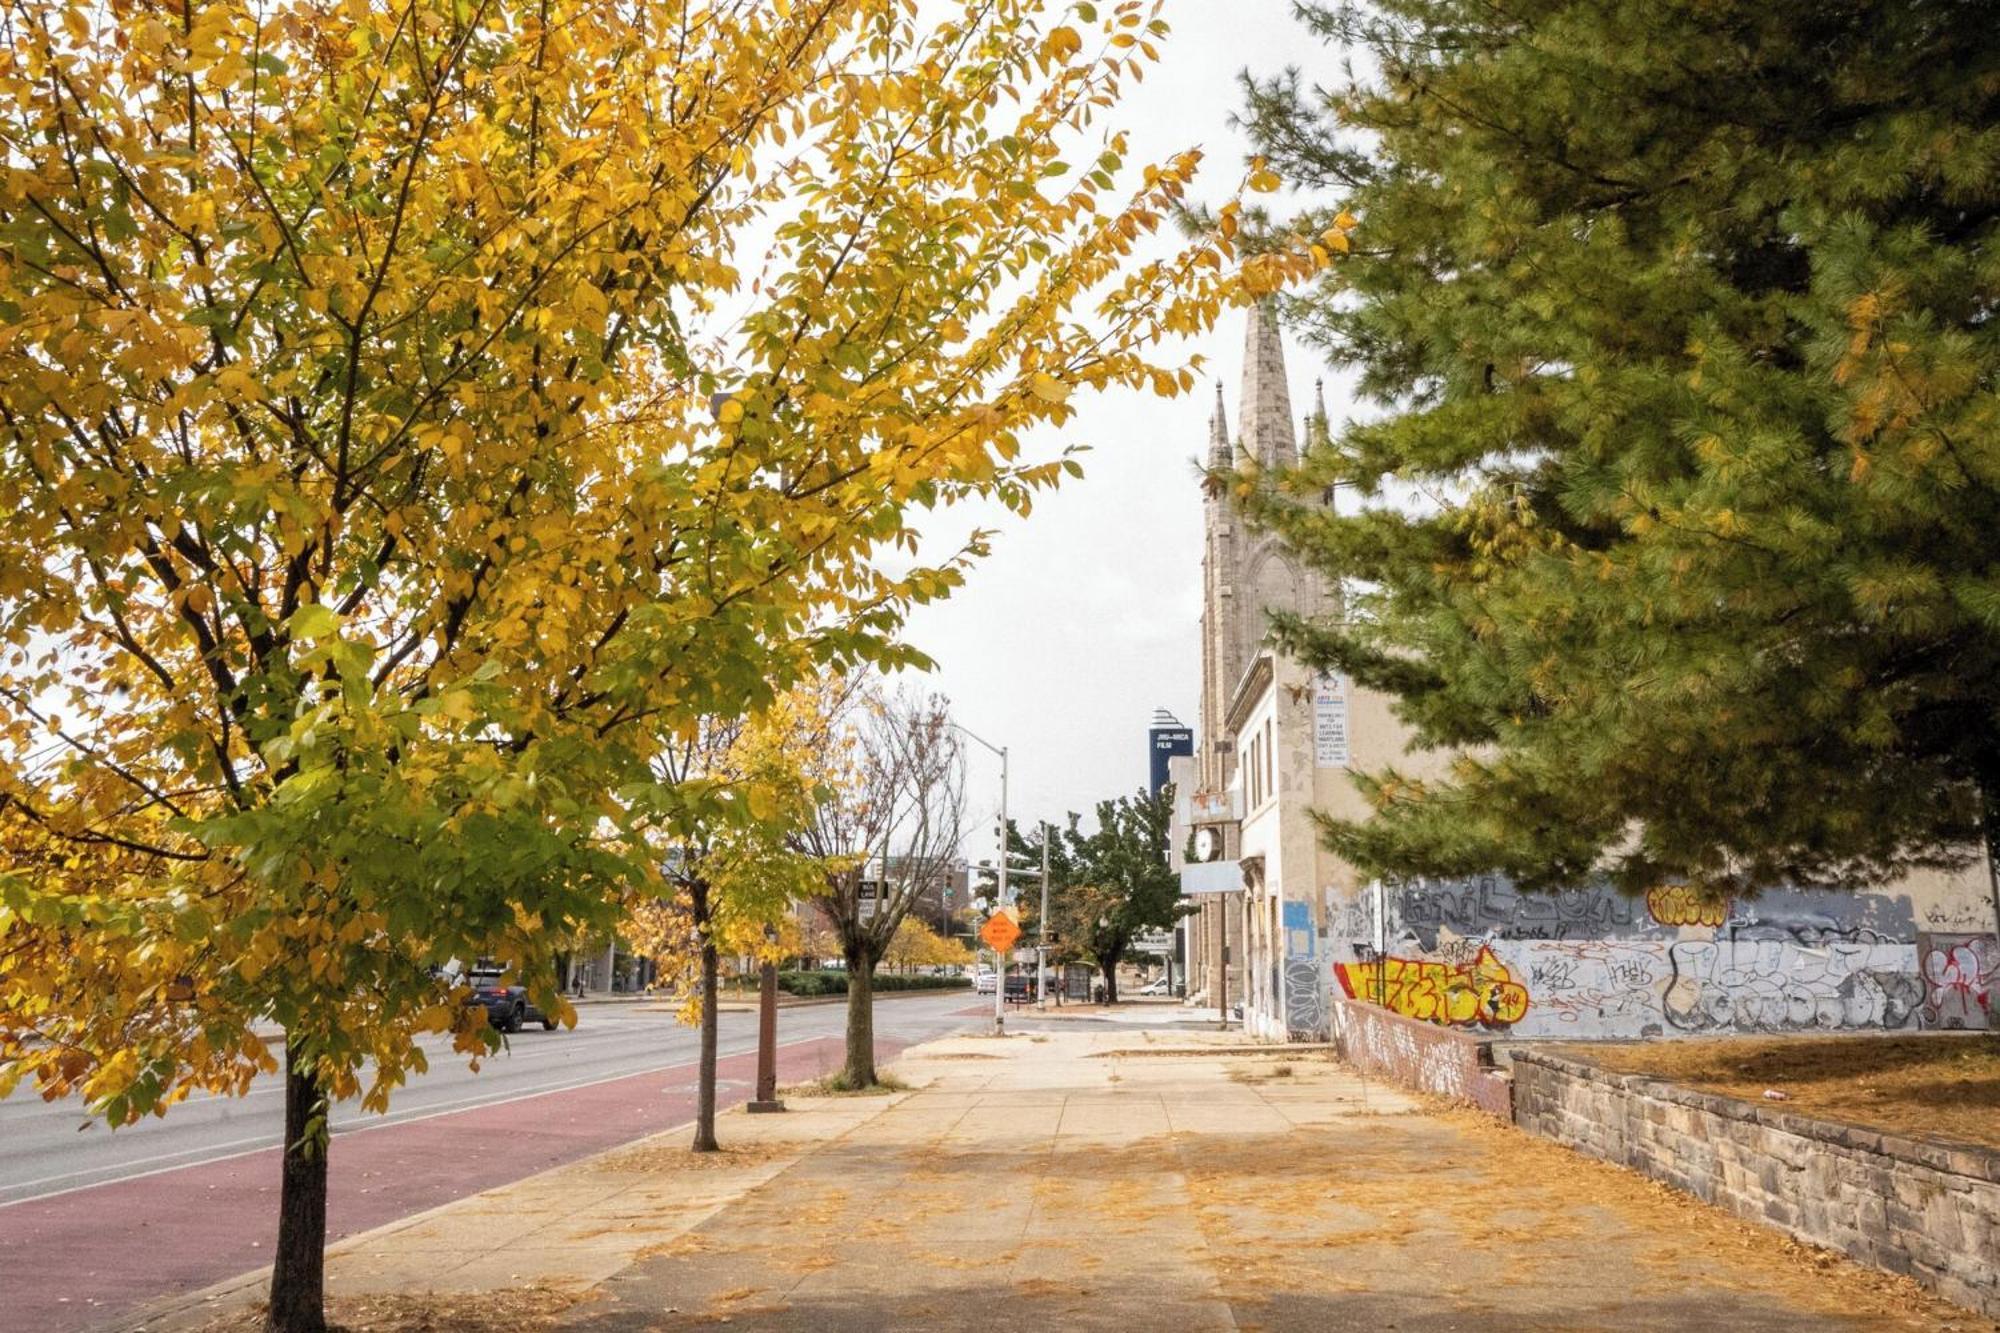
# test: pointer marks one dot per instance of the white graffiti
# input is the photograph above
(1795, 979)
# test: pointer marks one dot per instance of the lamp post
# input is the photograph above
(999, 958)
(1042, 929)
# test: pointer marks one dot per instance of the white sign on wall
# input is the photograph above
(1330, 749)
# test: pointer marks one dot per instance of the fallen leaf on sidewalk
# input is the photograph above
(515, 1309)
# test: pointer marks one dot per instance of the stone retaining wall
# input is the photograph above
(1931, 1210)
(1419, 1055)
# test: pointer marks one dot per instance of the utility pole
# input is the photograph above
(1006, 901)
(1042, 929)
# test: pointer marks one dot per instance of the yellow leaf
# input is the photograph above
(1048, 388)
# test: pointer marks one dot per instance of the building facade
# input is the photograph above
(1281, 928)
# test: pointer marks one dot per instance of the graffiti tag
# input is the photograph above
(1480, 993)
(1683, 905)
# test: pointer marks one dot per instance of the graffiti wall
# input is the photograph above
(1304, 979)
(1483, 956)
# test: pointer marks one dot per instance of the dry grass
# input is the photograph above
(835, 1085)
(517, 1310)
(1453, 1190)
(1934, 1086)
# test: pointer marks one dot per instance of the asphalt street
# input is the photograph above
(94, 1223)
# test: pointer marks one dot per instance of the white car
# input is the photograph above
(1158, 987)
(984, 980)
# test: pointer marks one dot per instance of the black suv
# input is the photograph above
(507, 1006)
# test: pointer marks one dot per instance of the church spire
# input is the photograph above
(1266, 411)
(1218, 433)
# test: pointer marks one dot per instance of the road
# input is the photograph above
(95, 1223)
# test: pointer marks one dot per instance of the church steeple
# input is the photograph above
(1266, 411)
(1218, 433)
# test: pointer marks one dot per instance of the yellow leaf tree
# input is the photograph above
(723, 815)
(397, 461)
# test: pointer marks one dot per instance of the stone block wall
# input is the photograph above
(1927, 1209)
(1420, 1055)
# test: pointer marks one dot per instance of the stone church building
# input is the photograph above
(1282, 929)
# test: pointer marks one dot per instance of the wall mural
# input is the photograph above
(1595, 963)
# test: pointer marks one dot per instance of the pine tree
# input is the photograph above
(1687, 474)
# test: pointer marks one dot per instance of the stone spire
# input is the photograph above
(1265, 414)
(1218, 433)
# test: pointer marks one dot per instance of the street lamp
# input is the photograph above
(1006, 899)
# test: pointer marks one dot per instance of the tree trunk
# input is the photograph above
(705, 1115)
(298, 1269)
(1989, 819)
(1108, 965)
(860, 1068)
(711, 976)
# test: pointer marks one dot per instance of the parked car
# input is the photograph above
(1155, 987)
(507, 1005)
(1020, 988)
(983, 980)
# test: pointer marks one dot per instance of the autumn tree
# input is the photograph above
(1679, 318)
(1110, 884)
(722, 815)
(915, 944)
(888, 834)
(397, 458)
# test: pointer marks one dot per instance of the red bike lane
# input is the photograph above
(81, 1259)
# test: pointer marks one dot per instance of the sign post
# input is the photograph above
(999, 933)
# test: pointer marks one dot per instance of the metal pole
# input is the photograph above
(1000, 958)
(1042, 930)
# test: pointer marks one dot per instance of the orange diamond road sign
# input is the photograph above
(999, 932)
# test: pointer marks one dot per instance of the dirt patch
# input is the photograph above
(835, 1085)
(657, 1157)
(1941, 1085)
(958, 1055)
(1248, 1074)
(526, 1309)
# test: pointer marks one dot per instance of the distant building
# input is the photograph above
(1167, 739)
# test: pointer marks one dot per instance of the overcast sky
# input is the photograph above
(1085, 617)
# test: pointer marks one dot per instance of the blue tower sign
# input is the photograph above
(1167, 738)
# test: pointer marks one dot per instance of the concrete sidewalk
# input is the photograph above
(1089, 1180)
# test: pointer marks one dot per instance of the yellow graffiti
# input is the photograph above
(1684, 905)
(1481, 992)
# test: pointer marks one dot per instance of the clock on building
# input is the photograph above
(1208, 844)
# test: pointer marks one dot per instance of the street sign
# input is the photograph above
(999, 932)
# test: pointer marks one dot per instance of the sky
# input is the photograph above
(1085, 617)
